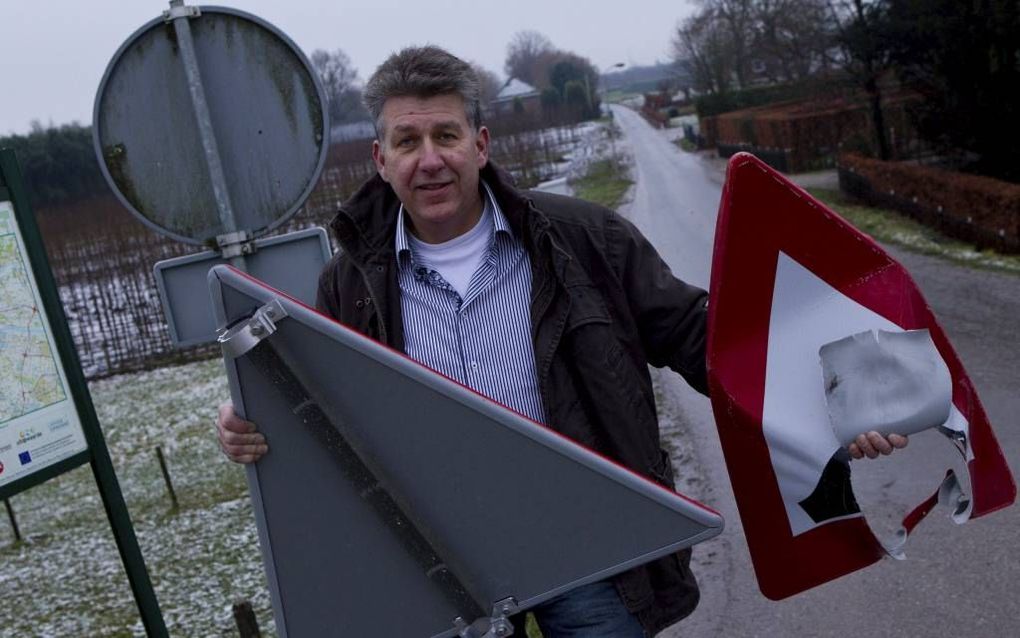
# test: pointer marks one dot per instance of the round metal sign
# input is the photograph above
(210, 121)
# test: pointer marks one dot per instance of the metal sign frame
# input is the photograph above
(97, 455)
(178, 278)
(403, 503)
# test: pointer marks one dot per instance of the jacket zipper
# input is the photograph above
(375, 303)
(371, 292)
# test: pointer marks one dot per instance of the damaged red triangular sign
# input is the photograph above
(789, 276)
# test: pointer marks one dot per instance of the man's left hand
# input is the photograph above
(872, 444)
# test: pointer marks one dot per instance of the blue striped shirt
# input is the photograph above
(483, 339)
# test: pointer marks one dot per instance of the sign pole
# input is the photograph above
(97, 454)
(232, 244)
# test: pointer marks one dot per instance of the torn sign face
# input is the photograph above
(890, 381)
(790, 277)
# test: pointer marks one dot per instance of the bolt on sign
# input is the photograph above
(48, 424)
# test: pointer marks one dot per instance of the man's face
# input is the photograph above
(430, 155)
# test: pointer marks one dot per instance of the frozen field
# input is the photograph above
(66, 578)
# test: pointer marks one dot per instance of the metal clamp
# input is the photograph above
(244, 336)
(180, 10)
(498, 626)
(235, 244)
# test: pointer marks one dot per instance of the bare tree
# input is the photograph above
(490, 84)
(338, 77)
(732, 42)
(701, 44)
(793, 38)
(862, 30)
(736, 16)
(527, 57)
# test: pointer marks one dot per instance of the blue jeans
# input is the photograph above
(591, 611)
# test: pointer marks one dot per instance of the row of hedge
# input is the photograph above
(808, 133)
(975, 209)
(717, 103)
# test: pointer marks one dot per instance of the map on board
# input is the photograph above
(39, 423)
(29, 379)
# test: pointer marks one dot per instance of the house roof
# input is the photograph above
(515, 88)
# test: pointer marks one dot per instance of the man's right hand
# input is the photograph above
(240, 441)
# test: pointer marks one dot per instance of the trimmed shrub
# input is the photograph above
(808, 133)
(718, 103)
(709, 128)
(976, 209)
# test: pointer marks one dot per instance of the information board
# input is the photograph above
(48, 424)
(39, 425)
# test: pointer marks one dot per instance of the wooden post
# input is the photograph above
(244, 616)
(166, 476)
(14, 522)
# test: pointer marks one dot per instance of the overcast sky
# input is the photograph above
(53, 52)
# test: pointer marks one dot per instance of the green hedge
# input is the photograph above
(976, 209)
(717, 103)
(59, 164)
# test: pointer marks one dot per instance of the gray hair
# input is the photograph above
(423, 72)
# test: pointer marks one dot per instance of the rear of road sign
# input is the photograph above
(289, 262)
(394, 500)
(264, 105)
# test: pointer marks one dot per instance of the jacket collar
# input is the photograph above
(365, 225)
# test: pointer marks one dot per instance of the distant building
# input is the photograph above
(516, 91)
(363, 130)
(645, 79)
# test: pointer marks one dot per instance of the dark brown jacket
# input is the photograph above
(603, 307)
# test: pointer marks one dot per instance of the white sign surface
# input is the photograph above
(806, 314)
(39, 425)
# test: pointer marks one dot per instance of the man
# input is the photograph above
(549, 305)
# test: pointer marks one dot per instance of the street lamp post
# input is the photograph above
(612, 134)
(587, 86)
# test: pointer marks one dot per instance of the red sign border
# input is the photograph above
(761, 214)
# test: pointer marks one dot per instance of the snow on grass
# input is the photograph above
(890, 226)
(66, 578)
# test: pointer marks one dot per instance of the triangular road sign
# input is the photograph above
(394, 500)
(788, 276)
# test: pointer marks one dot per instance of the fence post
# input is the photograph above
(14, 522)
(166, 476)
(244, 616)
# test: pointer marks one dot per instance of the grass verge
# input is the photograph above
(606, 182)
(685, 145)
(532, 628)
(891, 227)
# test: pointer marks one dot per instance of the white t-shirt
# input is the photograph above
(457, 259)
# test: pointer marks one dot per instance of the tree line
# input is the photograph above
(961, 58)
(60, 165)
(564, 78)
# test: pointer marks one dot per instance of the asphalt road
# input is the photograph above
(957, 580)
